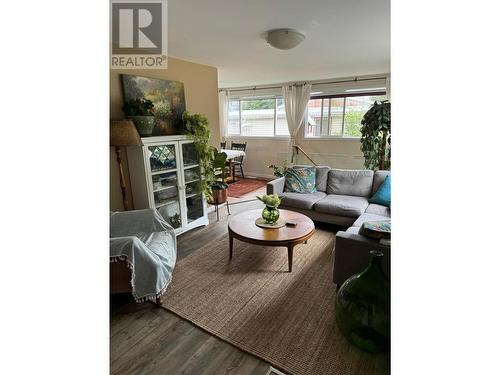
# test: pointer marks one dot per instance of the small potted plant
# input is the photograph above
(141, 112)
(270, 214)
(279, 170)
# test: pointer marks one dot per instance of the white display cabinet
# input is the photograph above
(165, 174)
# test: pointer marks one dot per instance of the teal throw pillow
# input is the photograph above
(383, 194)
(300, 180)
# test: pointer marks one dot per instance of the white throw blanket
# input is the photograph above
(147, 243)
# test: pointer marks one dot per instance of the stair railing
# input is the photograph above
(297, 149)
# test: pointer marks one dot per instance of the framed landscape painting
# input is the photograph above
(167, 97)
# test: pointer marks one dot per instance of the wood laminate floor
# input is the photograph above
(146, 339)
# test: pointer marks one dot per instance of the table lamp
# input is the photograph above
(123, 133)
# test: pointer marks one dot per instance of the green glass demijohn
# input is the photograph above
(362, 307)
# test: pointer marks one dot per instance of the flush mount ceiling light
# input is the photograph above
(284, 38)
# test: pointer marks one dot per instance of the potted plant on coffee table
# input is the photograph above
(141, 112)
(270, 214)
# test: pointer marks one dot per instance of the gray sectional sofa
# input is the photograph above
(342, 199)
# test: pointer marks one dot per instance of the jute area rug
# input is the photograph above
(252, 302)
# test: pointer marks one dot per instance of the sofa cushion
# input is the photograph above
(378, 179)
(342, 205)
(300, 179)
(300, 200)
(355, 182)
(322, 177)
(378, 209)
(368, 217)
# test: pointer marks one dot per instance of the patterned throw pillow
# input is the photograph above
(300, 180)
(376, 229)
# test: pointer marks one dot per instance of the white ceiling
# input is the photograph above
(343, 38)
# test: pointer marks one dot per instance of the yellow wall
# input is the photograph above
(200, 90)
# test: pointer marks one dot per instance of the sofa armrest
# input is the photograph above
(352, 254)
(276, 186)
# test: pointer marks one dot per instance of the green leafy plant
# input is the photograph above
(219, 169)
(212, 163)
(196, 128)
(376, 136)
(279, 170)
(138, 107)
(271, 200)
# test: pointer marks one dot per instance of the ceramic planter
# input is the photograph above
(219, 196)
(144, 124)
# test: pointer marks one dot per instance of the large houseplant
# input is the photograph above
(141, 112)
(217, 187)
(196, 129)
(376, 136)
(212, 162)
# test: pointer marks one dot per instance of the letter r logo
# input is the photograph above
(136, 28)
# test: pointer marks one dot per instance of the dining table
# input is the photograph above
(232, 154)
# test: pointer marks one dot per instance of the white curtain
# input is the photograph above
(223, 109)
(388, 87)
(296, 98)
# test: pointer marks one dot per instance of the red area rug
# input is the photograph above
(239, 188)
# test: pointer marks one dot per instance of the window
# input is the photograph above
(261, 117)
(338, 116)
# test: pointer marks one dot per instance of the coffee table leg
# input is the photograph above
(290, 257)
(230, 247)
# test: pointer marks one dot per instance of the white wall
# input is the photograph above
(343, 154)
(260, 153)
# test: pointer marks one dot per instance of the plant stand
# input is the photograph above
(217, 204)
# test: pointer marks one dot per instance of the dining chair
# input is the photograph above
(223, 145)
(238, 161)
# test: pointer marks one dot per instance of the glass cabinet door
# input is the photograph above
(194, 196)
(165, 182)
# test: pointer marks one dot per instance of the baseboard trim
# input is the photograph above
(259, 175)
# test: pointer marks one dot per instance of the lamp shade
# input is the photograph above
(123, 133)
(284, 38)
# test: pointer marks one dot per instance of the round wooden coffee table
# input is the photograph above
(242, 226)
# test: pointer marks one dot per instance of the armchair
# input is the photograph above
(143, 252)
